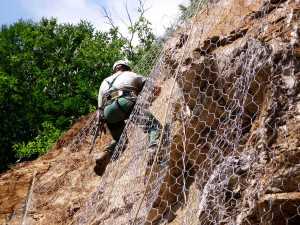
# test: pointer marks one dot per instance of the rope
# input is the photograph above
(165, 116)
(31, 184)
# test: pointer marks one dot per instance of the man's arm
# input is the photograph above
(100, 97)
(156, 91)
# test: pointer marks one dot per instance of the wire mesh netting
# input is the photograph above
(229, 121)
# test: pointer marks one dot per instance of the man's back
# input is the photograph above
(126, 80)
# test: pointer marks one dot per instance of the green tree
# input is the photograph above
(187, 12)
(139, 29)
(49, 76)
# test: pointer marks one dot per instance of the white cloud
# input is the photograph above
(161, 12)
(67, 11)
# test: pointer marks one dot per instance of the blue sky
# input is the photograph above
(161, 12)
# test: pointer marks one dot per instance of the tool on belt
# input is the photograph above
(100, 128)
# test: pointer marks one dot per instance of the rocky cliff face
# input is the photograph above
(240, 87)
(230, 152)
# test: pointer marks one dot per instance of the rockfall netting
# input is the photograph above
(229, 115)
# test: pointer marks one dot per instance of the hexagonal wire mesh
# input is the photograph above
(229, 120)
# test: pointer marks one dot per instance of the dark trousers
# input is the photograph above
(118, 111)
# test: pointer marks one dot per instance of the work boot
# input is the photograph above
(102, 162)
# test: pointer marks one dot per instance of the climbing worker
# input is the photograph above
(116, 100)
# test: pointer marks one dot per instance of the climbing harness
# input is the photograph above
(114, 93)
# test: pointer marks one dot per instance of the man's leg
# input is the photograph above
(116, 130)
(153, 128)
(153, 137)
(150, 125)
(115, 114)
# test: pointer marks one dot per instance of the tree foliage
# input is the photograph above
(139, 29)
(188, 11)
(49, 76)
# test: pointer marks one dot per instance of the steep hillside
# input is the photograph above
(66, 180)
(229, 151)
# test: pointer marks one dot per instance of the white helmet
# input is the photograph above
(121, 62)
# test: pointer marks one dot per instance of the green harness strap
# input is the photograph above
(111, 83)
(114, 88)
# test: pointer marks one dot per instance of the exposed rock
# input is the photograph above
(281, 207)
(230, 149)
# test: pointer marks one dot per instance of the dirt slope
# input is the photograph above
(56, 174)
